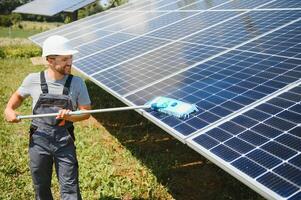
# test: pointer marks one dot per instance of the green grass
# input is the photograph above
(16, 32)
(28, 28)
(108, 170)
(121, 155)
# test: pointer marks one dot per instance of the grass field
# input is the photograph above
(28, 29)
(121, 155)
(15, 32)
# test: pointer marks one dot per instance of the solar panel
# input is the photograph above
(243, 4)
(219, 86)
(266, 146)
(203, 5)
(79, 5)
(196, 23)
(284, 4)
(51, 7)
(284, 42)
(238, 61)
(138, 72)
(244, 27)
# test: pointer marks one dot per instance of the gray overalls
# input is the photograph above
(50, 142)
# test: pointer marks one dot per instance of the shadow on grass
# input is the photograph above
(186, 173)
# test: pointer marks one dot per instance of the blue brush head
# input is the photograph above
(172, 107)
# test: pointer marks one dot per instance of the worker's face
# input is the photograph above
(61, 64)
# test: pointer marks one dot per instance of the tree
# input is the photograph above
(106, 4)
(7, 6)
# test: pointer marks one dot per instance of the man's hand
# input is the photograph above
(13, 103)
(11, 116)
(64, 114)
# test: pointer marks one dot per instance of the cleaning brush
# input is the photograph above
(172, 107)
(165, 105)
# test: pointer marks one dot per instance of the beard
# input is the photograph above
(65, 70)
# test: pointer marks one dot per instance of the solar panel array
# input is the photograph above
(51, 7)
(237, 60)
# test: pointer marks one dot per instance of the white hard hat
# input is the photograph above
(57, 45)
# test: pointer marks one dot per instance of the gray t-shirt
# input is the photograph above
(78, 90)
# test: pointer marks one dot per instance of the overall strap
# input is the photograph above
(67, 85)
(44, 86)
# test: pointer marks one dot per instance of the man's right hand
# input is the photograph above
(11, 116)
(13, 103)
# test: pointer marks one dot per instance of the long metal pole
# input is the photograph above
(79, 112)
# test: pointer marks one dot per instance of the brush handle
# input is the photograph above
(79, 112)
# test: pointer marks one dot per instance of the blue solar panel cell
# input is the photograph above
(159, 63)
(296, 131)
(156, 5)
(81, 27)
(243, 28)
(113, 56)
(296, 196)
(208, 116)
(270, 109)
(296, 161)
(243, 4)
(172, 120)
(176, 5)
(104, 25)
(184, 129)
(239, 145)
(290, 141)
(267, 131)
(100, 44)
(137, 20)
(219, 135)
(277, 184)
(195, 123)
(220, 111)
(244, 121)
(243, 100)
(211, 98)
(279, 150)
(257, 115)
(264, 159)
(264, 139)
(88, 38)
(291, 116)
(249, 167)
(191, 25)
(279, 123)
(253, 138)
(284, 42)
(283, 4)
(159, 22)
(225, 153)
(206, 141)
(203, 5)
(282, 103)
(290, 173)
(296, 108)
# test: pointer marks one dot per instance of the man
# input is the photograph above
(52, 138)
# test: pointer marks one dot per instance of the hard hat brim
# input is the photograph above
(62, 53)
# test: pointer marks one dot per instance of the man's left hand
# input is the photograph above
(64, 114)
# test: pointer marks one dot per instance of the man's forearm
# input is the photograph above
(14, 102)
(76, 118)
